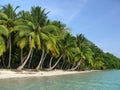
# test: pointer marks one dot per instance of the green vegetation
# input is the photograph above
(29, 40)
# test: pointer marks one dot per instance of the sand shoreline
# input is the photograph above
(4, 74)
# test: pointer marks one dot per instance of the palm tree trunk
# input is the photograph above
(78, 64)
(23, 59)
(42, 56)
(74, 65)
(3, 61)
(62, 65)
(0, 60)
(22, 66)
(68, 66)
(21, 56)
(9, 62)
(56, 62)
(43, 61)
(50, 62)
(30, 59)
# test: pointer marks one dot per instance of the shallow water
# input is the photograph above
(100, 80)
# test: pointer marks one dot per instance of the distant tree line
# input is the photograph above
(29, 40)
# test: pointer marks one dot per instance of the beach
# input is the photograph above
(4, 74)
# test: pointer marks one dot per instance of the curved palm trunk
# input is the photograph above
(22, 66)
(74, 65)
(43, 61)
(9, 62)
(42, 56)
(50, 62)
(68, 66)
(23, 59)
(62, 65)
(30, 59)
(78, 64)
(56, 63)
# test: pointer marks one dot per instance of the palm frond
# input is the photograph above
(3, 16)
(2, 46)
(4, 31)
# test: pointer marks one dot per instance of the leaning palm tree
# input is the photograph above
(61, 33)
(64, 46)
(49, 44)
(35, 21)
(43, 31)
(79, 55)
(85, 51)
(8, 18)
(24, 30)
(39, 19)
(25, 37)
(78, 59)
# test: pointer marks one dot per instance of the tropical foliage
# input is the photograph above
(29, 40)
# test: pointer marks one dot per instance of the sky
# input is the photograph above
(98, 20)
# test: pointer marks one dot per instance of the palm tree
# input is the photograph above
(39, 19)
(65, 46)
(24, 29)
(8, 18)
(61, 33)
(48, 43)
(37, 27)
(76, 59)
(80, 44)
(24, 38)
(98, 57)
(85, 51)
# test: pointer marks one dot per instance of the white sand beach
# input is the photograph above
(12, 74)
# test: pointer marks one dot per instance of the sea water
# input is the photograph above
(99, 80)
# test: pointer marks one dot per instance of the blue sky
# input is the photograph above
(98, 20)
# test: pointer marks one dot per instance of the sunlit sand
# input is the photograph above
(13, 74)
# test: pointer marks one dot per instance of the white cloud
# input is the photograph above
(66, 11)
(75, 12)
(80, 5)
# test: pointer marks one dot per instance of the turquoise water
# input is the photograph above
(100, 80)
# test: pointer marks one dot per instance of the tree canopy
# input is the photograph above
(30, 40)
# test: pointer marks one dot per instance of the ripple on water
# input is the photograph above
(101, 80)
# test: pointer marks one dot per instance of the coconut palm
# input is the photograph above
(50, 44)
(41, 33)
(64, 47)
(80, 44)
(8, 18)
(25, 37)
(85, 51)
(39, 18)
(58, 33)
